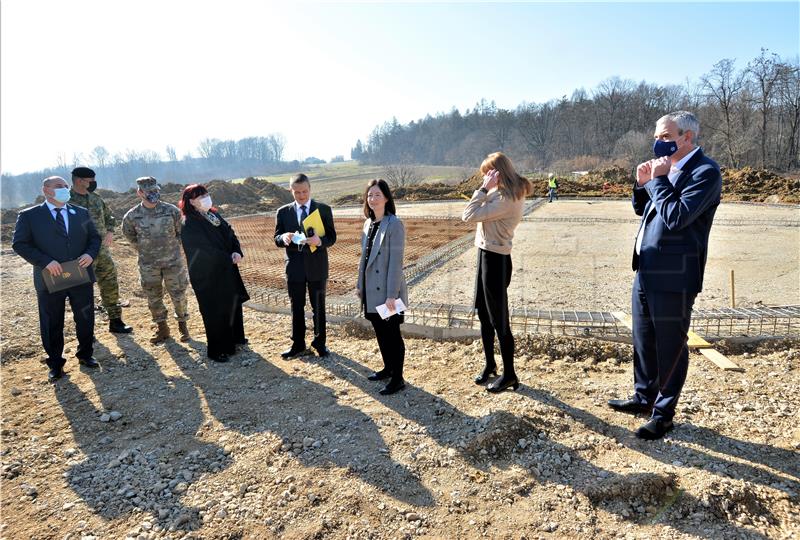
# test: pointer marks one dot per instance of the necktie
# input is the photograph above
(303, 215)
(62, 225)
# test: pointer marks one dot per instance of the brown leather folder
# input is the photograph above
(71, 275)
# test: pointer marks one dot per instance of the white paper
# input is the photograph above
(384, 312)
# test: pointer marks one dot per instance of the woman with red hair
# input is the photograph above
(212, 255)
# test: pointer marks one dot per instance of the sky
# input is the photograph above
(144, 74)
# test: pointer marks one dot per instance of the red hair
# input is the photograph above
(192, 191)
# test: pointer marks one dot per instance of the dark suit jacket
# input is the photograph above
(675, 243)
(38, 240)
(301, 264)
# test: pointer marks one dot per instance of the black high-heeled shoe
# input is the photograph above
(380, 375)
(503, 383)
(485, 374)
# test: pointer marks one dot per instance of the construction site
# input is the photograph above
(161, 442)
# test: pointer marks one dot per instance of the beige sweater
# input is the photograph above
(497, 217)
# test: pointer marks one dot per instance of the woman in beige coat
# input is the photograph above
(497, 209)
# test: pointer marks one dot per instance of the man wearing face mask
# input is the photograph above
(82, 194)
(154, 228)
(46, 236)
(677, 194)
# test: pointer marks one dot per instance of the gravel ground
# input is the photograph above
(161, 443)
(586, 263)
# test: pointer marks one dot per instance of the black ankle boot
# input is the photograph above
(487, 372)
(503, 383)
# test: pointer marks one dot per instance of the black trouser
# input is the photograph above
(51, 322)
(491, 301)
(661, 322)
(390, 342)
(316, 295)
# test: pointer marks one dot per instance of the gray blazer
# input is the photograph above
(385, 265)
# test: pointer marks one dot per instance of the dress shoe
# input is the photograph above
(222, 357)
(55, 374)
(245, 341)
(118, 327)
(395, 385)
(630, 405)
(291, 353)
(654, 429)
(380, 375)
(503, 383)
(487, 372)
(88, 362)
(323, 351)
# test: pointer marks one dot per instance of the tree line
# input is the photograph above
(748, 116)
(215, 158)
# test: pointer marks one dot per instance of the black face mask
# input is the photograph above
(92, 186)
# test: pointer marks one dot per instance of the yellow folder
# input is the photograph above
(314, 221)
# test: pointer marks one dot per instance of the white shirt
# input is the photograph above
(64, 213)
(298, 210)
(674, 174)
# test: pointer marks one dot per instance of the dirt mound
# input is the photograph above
(499, 436)
(249, 197)
(759, 185)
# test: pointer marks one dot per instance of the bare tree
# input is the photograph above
(99, 156)
(765, 72)
(171, 154)
(402, 175)
(723, 86)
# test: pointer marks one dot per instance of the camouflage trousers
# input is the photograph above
(174, 276)
(106, 273)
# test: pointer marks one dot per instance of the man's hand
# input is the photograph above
(236, 257)
(108, 241)
(314, 240)
(643, 172)
(287, 238)
(84, 261)
(54, 268)
(661, 167)
(390, 303)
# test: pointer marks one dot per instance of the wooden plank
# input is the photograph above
(697, 342)
(624, 318)
(720, 360)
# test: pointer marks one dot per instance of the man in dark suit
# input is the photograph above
(45, 236)
(305, 270)
(677, 195)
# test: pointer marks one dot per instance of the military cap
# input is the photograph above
(83, 172)
(147, 183)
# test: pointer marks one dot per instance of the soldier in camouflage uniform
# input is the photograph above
(154, 228)
(81, 194)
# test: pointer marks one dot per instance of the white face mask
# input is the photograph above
(204, 203)
(61, 194)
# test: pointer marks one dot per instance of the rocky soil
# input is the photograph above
(162, 443)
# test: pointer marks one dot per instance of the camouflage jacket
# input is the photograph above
(101, 215)
(156, 233)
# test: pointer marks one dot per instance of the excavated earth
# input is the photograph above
(160, 442)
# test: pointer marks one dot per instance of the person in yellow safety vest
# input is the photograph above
(552, 184)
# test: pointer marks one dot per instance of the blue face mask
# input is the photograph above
(61, 194)
(665, 148)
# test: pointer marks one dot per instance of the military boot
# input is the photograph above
(118, 327)
(184, 330)
(161, 333)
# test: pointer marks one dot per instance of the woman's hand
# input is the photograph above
(491, 179)
(236, 257)
(390, 303)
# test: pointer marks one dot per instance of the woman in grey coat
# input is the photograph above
(381, 281)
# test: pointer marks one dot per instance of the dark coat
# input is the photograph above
(301, 264)
(675, 242)
(38, 239)
(216, 281)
